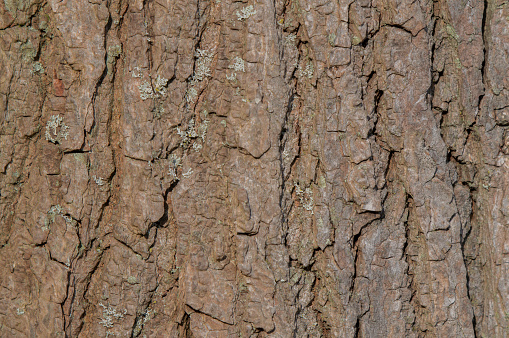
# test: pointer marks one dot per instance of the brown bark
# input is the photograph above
(293, 168)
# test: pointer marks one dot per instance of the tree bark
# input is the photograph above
(286, 168)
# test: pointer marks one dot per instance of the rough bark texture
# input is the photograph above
(204, 168)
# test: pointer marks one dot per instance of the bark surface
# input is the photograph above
(254, 168)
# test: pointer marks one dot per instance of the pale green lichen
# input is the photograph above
(28, 52)
(321, 182)
(306, 71)
(285, 154)
(457, 63)
(114, 51)
(110, 315)
(238, 65)
(148, 92)
(137, 72)
(141, 321)
(21, 5)
(331, 38)
(80, 157)
(53, 212)
(356, 40)
(188, 173)
(56, 130)
(290, 39)
(202, 70)
(191, 93)
(245, 13)
(243, 287)
(203, 63)
(305, 197)
(37, 68)
(192, 133)
(160, 87)
(175, 162)
(158, 111)
(452, 32)
(98, 180)
(232, 77)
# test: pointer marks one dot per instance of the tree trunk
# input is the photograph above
(286, 168)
